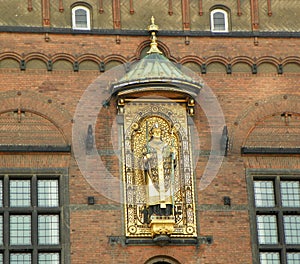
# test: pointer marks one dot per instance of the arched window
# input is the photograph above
(81, 18)
(162, 260)
(219, 20)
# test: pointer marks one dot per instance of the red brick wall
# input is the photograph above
(243, 97)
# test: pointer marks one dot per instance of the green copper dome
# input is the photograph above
(156, 72)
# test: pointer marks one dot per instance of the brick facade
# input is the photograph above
(246, 97)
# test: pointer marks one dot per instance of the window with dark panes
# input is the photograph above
(219, 20)
(276, 216)
(31, 212)
(81, 18)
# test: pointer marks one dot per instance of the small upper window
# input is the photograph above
(81, 18)
(219, 20)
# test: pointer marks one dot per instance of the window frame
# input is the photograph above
(277, 176)
(212, 24)
(61, 211)
(88, 17)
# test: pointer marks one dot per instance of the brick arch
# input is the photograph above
(242, 59)
(36, 56)
(216, 64)
(115, 57)
(219, 6)
(36, 59)
(260, 110)
(269, 63)
(162, 259)
(193, 66)
(40, 106)
(291, 59)
(278, 130)
(194, 59)
(10, 55)
(291, 64)
(164, 48)
(81, 3)
(36, 64)
(193, 63)
(113, 61)
(89, 57)
(89, 62)
(64, 57)
(267, 59)
(218, 59)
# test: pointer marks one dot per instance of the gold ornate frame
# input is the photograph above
(172, 116)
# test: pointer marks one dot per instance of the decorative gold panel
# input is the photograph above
(158, 181)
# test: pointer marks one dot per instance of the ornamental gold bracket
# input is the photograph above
(191, 106)
(190, 103)
(120, 106)
(162, 225)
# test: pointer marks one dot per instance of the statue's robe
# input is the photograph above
(158, 173)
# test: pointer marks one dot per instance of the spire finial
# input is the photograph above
(153, 29)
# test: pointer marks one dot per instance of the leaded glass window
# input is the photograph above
(17, 258)
(269, 258)
(291, 224)
(20, 229)
(293, 257)
(31, 212)
(264, 194)
(48, 258)
(290, 193)
(48, 193)
(48, 229)
(276, 207)
(19, 193)
(267, 229)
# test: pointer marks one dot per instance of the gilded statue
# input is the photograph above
(159, 164)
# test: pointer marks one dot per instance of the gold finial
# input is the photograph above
(153, 29)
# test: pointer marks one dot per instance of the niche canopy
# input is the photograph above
(155, 73)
